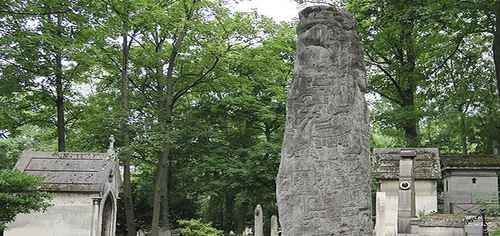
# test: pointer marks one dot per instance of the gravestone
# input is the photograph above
(258, 221)
(323, 183)
(274, 225)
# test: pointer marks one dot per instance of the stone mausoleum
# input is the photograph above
(86, 189)
(417, 188)
(468, 180)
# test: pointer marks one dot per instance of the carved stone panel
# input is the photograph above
(323, 184)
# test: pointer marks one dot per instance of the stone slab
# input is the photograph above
(323, 184)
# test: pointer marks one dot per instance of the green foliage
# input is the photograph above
(495, 232)
(19, 194)
(229, 75)
(197, 228)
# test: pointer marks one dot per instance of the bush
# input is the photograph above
(197, 228)
(19, 194)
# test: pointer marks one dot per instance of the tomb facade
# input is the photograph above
(86, 190)
(468, 180)
(419, 196)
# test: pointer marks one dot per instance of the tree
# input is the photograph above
(122, 12)
(41, 58)
(230, 129)
(406, 43)
(461, 95)
(170, 55)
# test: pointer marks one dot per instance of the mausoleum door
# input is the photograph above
(107, 217)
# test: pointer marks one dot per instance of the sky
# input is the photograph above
(279, 10)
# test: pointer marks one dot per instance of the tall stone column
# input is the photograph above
(323, 184)
(95, 228)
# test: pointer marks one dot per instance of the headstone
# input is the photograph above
(274, 225)
(380, 228)
(323, 184)
(259, 222)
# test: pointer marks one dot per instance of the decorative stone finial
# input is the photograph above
(111, 149)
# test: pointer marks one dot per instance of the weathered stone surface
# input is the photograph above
(259, 222)
(71, 171)
(323, 184)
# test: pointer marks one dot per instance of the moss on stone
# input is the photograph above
(470, 162)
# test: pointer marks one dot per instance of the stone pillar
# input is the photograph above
(380, 228)
(258, 222)
(406, 195)
(94, 224)
(274, 225)
(323, 183)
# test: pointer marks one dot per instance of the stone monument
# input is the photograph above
(86, 188)
(274, 225)
(258, 222)
(406, 194)
(323, 183)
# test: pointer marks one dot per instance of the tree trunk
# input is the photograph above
(165, 213)
(159, 190)
(228, 220)
(496, 50)
(165, 110)
(161, 185)
(411, 133)
(165, 113)
(127, 185)
(61, 139)
(242, 213)
(411, 122)
(463, 133)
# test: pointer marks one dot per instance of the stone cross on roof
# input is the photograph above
(111, 148)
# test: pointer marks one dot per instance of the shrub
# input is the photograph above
(197, 228)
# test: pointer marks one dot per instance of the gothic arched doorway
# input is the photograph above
(107, 217)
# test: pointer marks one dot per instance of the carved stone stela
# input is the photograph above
(323, 184)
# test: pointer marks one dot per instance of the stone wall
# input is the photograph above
(71, 214)
(461, 191)
(438, 227)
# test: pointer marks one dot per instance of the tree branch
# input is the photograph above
(196, 82)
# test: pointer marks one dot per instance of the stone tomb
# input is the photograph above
(425, 171)
(468, 180)
(323, 184)
(86, 188)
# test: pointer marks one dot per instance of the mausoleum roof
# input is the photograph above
(386, 163)
(69, 171)
(463, 162)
